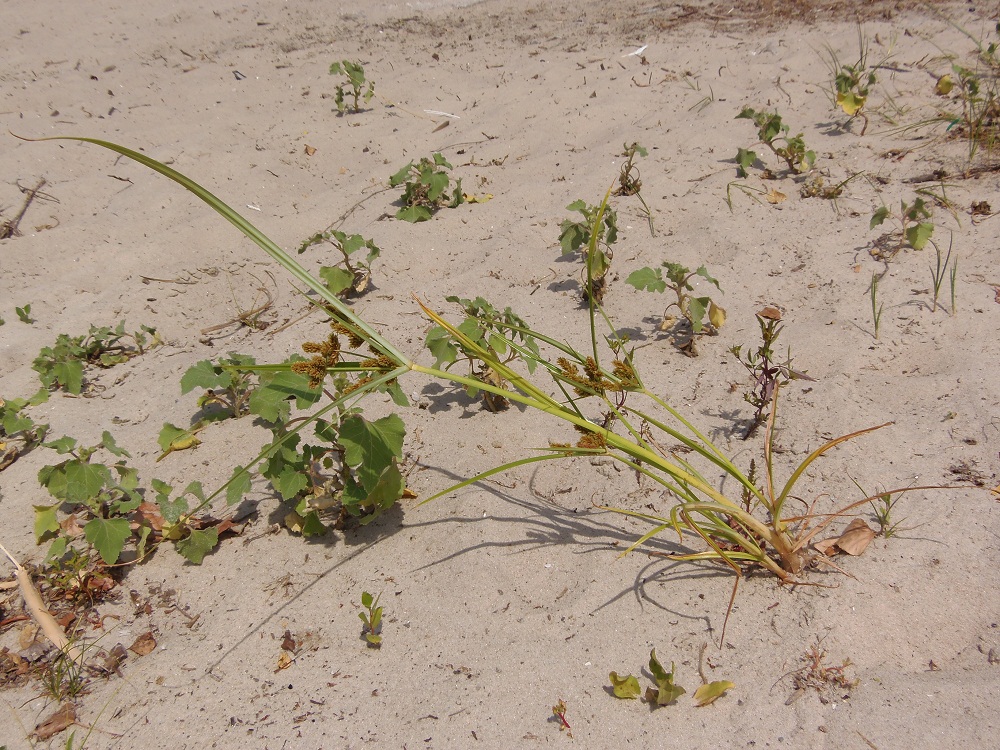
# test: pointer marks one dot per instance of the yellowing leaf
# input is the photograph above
(716, 315)
(850, 102)
(626, 687)
(294, 522)
(775, 196)
(709, 693)
(284, 661)
(944, 85)
(477, 198)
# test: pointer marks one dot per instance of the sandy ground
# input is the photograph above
(508, 596)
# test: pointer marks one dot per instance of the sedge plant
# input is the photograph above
(600, 393)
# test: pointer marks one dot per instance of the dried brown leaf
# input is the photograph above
(64, 717)
(856, 537)
(143, 645)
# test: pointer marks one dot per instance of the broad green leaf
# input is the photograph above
(744, 160)
(270, 400)
(63, 445)
(312, 525)
(84, 481)
(414, 214)
(709, 693)
(69, 375)
(703, 272)
(401, 176)
(697, 307)
(173, 437)
(198, 544)
(108, 537)
(441, 345)
(387, 490)
(289, 482)
(172, 510)
(337, 279)
(919, 235)
(46, 522)
(878, 217)
(108, 441)
(57, 549)
(366, 600)
(369, 447)
(626, 687)
(648, 279)
(203, 375)
(437, 184)
(239, 485)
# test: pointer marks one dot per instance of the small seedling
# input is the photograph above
(61, 365)
(831, 683)
(24, 314)
(228, 385)
(355, 85)
(372, 619)
(853, 83)
(425, 188)
(665, 692)
(767, 374)
(938, 271)
(915, 228)
(486, 327)
(749, 192)
(579, 236)
(559, 711)
(953, 278)
(773, 133)
(101, 497)
(347, 278)
(876, 305)
(815, 187)
(629, 182)
(694, 310)
(882, 507)
(19, 433)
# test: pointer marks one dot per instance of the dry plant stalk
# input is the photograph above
(36, 608)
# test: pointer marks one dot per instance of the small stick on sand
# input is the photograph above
(48, 624)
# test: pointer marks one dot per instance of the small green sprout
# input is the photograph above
(426, 188)
(372, 619)
(773, 133)
(359, 87)
(24, 314)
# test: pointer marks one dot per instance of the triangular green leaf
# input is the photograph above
(198, 544)
(626, 687)
(648, 279)
(202, 375)
(239, 485)
(371, 446)
(108, 537)
(46, 522)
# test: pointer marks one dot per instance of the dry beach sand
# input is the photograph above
(507, 596)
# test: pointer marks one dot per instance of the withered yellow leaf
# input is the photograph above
(944, 85)
(775, 196)
(716, 315)
(709, 693)
(477, 198)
